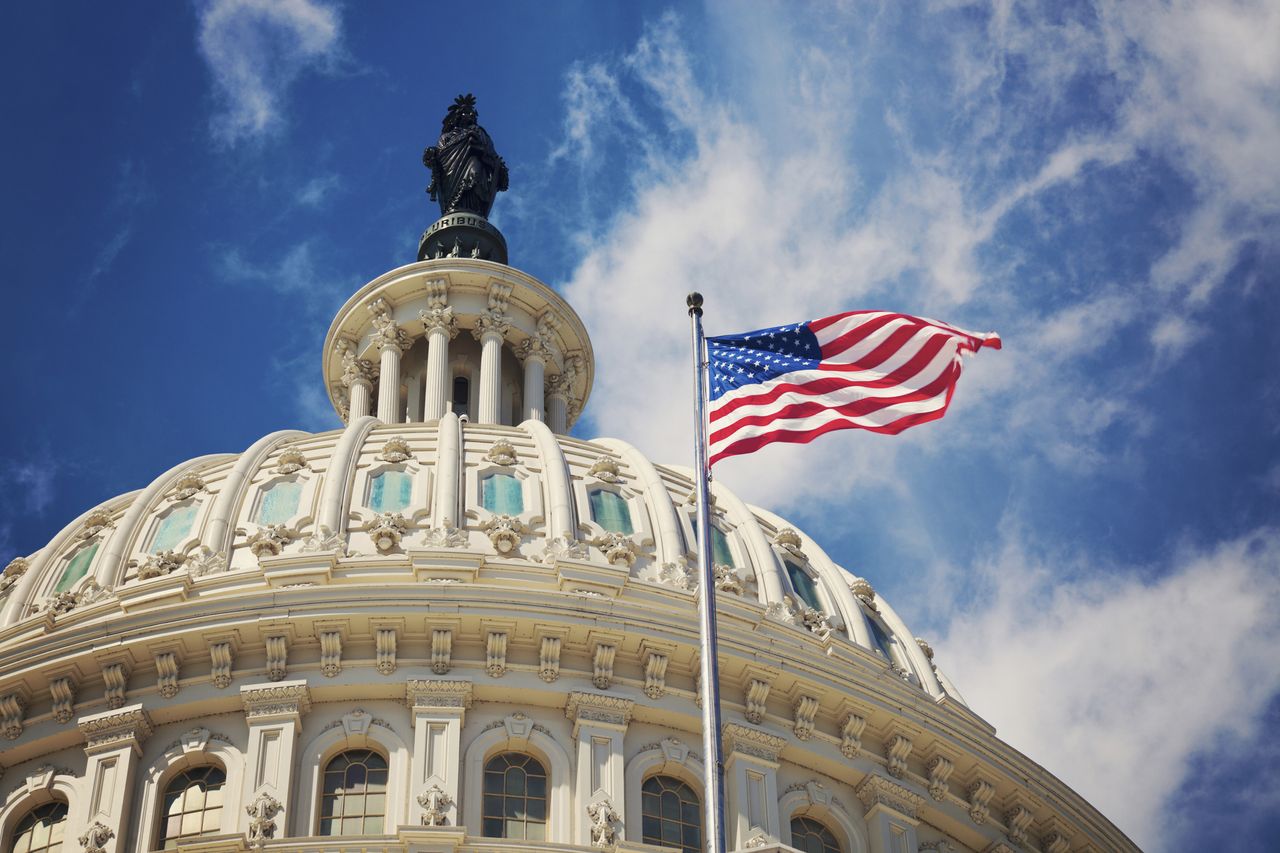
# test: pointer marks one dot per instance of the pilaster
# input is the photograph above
(113, 743)
(274, 714)
(599, 724)
(892, 813)
(438, 709)
(751, 784)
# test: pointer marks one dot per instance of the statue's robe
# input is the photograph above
(469, 171)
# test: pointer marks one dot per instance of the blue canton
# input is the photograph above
(759, 356)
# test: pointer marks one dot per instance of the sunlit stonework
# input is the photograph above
(451, 625)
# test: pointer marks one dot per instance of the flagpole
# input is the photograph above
(713, 765)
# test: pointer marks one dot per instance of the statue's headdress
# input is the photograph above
(463, 107)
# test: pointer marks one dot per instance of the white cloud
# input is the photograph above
(1089, 670)
(255, 49)
(317, 190)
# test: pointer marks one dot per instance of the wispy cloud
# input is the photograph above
(255, 50)
(131, 192)
(316, 192)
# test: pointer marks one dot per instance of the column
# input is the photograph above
(490, 330)
(534, 355)
(751, 786)
(891, 814)
(440, 327)
(113, 744)
(557, 412)
(357, 376)
(413, 405)
(559, 390)
(389, 381)
(438, 709)
(274, 712)
(599, 723)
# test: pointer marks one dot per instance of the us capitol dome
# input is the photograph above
(452, 627)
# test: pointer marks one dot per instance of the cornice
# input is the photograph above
(282, 699)
(431, 693)
(113, 729)
(594, 708)
(878, 791)
(745, 740)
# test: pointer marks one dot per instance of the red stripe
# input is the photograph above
(748, 445)
(851, 338)
(816, 326)
(900, 374)
(855, 408)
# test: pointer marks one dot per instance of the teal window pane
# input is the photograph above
(77, 568)
(881, 638)
(173, 528)
(609, 510)
(803, 585)
(720, 554)
(501, 494)
(280, 502)
(390, 491)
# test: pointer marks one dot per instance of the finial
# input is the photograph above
(694, 301)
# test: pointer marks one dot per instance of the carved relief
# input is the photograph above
(386, 530)
(617, 547)
(446, 536)
(980, 793)
(439, 316)
(877, 790)
(504, 532)
(655, 675)
(115, 678)
(12, 710)
(262, 812)
(395, 450)
(502, 452)
(435, 806)
(602, 666)
(163, 563)
(728, 579)
(386, 334)
(562, 548)
(220, 656)
(496, 654)
(188, 485)
(277, 658)
(63, 693)
(784, 611)
(604, 469)
(592, 707)
(806, 712)
(290, 461)
(851, 735)
(604, 823)
(17, 568)
(676, 575)
(896, 750)
(438, 694)
(167, 674)
(96, 838)
(96, 522)
(789, 540)
(939, 769)
(756, 693)
(330, 653)
(1055, 842)
(549, 659)
(323, 540)
(205, 561)
(270, 540)
(1017, 819)
(816, 621)
(863, 591)
(753, 742)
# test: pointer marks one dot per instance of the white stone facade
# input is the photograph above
(435, 591)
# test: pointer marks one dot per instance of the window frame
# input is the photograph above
(158, 835)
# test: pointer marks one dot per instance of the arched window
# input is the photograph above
(501, 494)
(812, 837)
(461, 395)
(803, 585)
(390, 491)
(192, 805)
(40, 831)
(353, 800)
(720, 554)
(515, 797)
(280, 502)
(76, 568)
(173, 528)
(672, 814)
(609, 510)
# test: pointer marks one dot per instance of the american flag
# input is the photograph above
(873, 370)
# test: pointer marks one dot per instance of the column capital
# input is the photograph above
(594, 709)
(111, 730)
(354, 370)
(561, 384)
(536, 348)
(754, 743)
(280, 699)
(878, 792)
(386, 334)
(422, 694)
(441, 318)
(491, 322)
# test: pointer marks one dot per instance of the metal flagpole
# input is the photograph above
(713, 767)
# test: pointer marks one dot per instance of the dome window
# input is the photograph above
(192, 805)
(41, 830)
(610, 511)
(515, 797)
(502, 494)
(279, 502)
(672, 814)
(173, 528)
(720, 553)
(354, 798)
(76, 568)
(390, 491)
(803, 585)
(812, 837)
(461, 395)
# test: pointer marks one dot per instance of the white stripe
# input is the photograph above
(884, 417)
(847, 324)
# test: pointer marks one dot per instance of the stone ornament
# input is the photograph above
(816, 621)
(789, 540)
(446, 536)
(435, 806)
(386, 530)
(897, 748)
(262, 812)
(980, 793)
(386, 334)
(97, 837)
(205, 561)
(441, 651)
(939, 769)
(851, 735)
(504, 532)
(13, 707)
(549, 659)
(877, 790)
(385, 650)
(291, 461)
(806, 713)
(65, 602)
(863, 591)
(322, 541)
(63, 693)
(655, 675)
(561, 548)
(9, 579)
(188, 485)
(728, 579)
(604, 469)
(395, 450)
(1017, 819)
(163, 563)
(784, 611)
(270, 540)
(617, 547)
(97, 521)
(604, 823)
(676, 575)
(502, 452)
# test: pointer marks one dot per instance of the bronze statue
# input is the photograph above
(466, 171)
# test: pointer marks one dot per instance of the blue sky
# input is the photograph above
(1088, 538)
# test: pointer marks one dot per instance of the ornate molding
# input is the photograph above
(187, 486)
(221, 657)
(441, 650)
(617, 548)
(980, 793)
(330, 653)
(755, 694)
(270, 540)
(878, 791)
(496, 654)
(62, 691)
(386, 530)
(851, 735)
(789, 540)
(128, 726)
(13, 707)
(262, 700)
(163, 563)
(655, 675)
(384, 641)
(115, 677)
(277, 657)
(503, 532)
(549, 659)
(96, 522)
(604, 820)
(602, 665)
(939, 769)
(897, 748)
(594, 708)
(435, 806)
(97, 837)
(422, 693)
(291, 460)
(864, 592)
(605, 469)
(167, 674)
(753, 742)
(262, 826)
(806, 713)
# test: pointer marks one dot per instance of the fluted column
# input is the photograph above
(559, 390)
(357, 377)
(490, 330)
(391, 341)
(534, 355)
(557, 412)
(441, 327)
